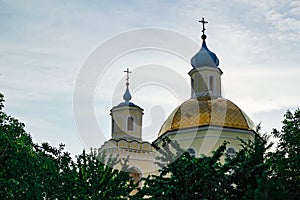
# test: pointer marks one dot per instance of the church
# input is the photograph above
(200, 124)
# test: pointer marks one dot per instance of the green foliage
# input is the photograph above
(206, 177)
(16, 158)
(31, 171)
(187, 177)
(285, 161)
(254, 173)
(98, 181)
(248, 171)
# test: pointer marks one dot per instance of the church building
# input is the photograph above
(200, 124)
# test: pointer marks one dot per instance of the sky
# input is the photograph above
(45, 45)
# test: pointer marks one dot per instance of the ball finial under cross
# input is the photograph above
(203, 37)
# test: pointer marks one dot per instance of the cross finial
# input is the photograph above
(127, 95)
(127, 76)
(203, 28)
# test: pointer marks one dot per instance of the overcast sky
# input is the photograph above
(44, 45)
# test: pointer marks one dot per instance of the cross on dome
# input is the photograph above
(204, 58)
(127, 95)
(127, 76)
(203, 28)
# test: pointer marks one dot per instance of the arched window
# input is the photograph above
(211, 83)
(130, 122)
(135, 174)
(231, 153)
(191, 151)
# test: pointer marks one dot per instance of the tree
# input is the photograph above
(96, 180)
(16, 158)
(248, 169)
(254, 172)
(285, 161)
(187, 177)
(32, 171)
(206, 177)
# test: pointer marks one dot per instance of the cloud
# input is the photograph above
(44, 44)
(295, 9)
(283, 16)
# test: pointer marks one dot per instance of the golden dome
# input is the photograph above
(205, 111)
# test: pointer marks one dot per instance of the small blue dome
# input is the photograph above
(204, 58)
(127, 95)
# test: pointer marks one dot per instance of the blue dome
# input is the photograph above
(204, 58)
(127, 95)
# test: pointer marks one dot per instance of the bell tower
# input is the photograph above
(127, 118)
(205, 75)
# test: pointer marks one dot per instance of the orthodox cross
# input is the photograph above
(203, 23)
(127, 76)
